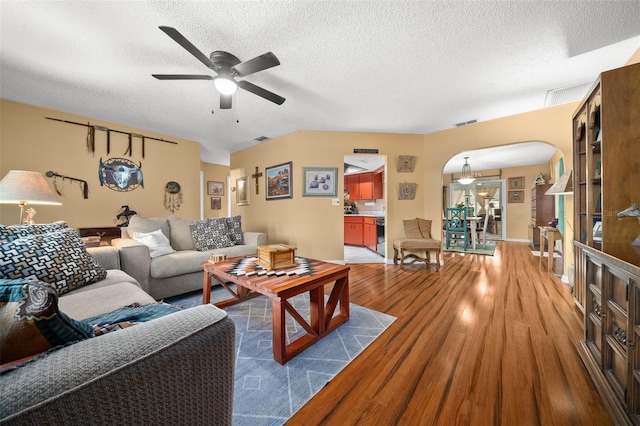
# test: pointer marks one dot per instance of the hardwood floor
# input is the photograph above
(485, 341)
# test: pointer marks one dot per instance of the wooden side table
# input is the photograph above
(551, 235)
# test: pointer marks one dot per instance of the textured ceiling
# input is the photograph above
(373, 66)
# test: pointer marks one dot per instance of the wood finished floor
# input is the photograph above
(485, 341)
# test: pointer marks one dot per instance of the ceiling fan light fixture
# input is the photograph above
(467, 177)
(225, 85)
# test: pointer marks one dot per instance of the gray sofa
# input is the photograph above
(177, 369)
(175, 273)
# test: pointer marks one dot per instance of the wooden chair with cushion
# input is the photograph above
(418, 240)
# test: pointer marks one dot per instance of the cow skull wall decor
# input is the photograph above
(120, 174)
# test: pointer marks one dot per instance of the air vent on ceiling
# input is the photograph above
(567, 94)
(464, 123)
(261, 139)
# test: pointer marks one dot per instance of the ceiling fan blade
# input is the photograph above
(225, 101)
(264, 93)
(182, 77)
(259, 63)
(182, 41)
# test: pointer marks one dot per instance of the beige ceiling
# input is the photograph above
(373, 66)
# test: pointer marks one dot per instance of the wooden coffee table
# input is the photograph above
(309, 275)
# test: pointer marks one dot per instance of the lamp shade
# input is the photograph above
(564, 185)
(20, 186)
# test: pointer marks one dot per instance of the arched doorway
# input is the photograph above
(487, 195)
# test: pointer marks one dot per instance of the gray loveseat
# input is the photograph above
(177, 369)
(178, 272)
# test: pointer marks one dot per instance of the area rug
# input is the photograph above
(488, 249)
(267, 393)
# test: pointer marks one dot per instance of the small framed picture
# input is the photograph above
(278, 181)
(216, 203)
(242, 191)
(319, 181)
(516, 183)
(516, 196)
(215, 188)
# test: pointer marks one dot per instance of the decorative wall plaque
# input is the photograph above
(406, 191)
(406, 163)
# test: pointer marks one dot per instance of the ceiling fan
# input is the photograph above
(228, 67)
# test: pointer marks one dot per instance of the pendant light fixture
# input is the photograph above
(467, 177)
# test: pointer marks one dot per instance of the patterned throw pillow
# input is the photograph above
(32, 322)
(13, 232)
(235, 230)
(58, 258)
(210, 234)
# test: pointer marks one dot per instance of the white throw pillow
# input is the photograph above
(157, 242)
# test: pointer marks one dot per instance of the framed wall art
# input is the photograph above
(216, 203)
(516, 196)
(516, 183)
(242, 191)
(215, 188)
(319, 181)
(278, 181)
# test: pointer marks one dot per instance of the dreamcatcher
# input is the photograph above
(172, 196)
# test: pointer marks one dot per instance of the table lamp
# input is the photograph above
(23, 187)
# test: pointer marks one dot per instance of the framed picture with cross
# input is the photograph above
(278, 181)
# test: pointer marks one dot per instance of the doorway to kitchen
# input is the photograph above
(364, 208)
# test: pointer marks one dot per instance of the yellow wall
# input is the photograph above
(316, 227)
(30, 142)
(313, 224)
(216, 173)
(635, 58)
